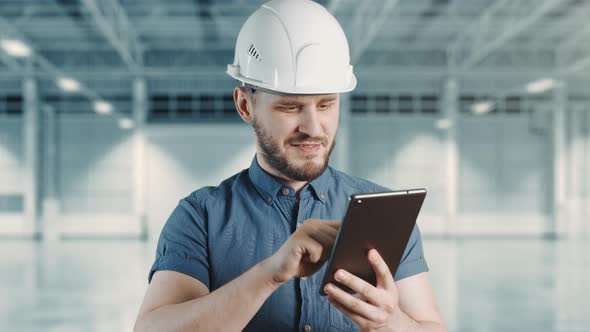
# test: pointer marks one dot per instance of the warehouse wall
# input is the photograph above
(95, 166)
(11, 159)
(578, 193)
(400, 153)
(505, 168)
(181, 159)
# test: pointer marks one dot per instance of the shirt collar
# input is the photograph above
(269, 187)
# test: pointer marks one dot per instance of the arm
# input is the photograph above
(417, 304)
(407, 305)
(177, 302)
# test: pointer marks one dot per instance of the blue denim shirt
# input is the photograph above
(217, 233)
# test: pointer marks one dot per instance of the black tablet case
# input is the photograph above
(383, 221)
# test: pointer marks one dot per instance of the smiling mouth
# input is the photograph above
(307, 147)
(307, 144)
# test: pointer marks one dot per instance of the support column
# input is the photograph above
(574, 145)
(557, 226)
(51, 227)
(584, 198)
(139, 158)
(342, 149)
(31, 156)
(450, 111)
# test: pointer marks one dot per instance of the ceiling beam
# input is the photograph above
(366, 27)
(10, 62)
(578, 66)
(566, 50)
(574, 39)
(333, 6)
(480, 40)
(47, 68)
(367, 71)
(112, 21)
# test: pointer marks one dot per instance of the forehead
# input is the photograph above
(299, 99)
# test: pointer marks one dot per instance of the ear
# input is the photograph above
(244, 104)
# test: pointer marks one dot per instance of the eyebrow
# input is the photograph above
(298, 103)
(327, 99)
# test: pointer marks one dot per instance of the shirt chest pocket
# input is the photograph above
(339, 321)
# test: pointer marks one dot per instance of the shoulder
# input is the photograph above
(214, 195)
(355, 183)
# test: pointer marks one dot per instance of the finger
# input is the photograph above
(332, 223)
(361, 308)
(326, 236)
(329, 223)
(359, 285)
(355, 317)
(313, 248)
(382, 272)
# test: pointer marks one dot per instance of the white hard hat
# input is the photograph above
(293, 47)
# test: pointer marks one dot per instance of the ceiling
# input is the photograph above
(167, 39)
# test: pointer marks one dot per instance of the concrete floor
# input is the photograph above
(481, 284)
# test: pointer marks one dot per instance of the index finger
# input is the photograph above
(331, 223)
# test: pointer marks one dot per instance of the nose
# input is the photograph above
(311, 124)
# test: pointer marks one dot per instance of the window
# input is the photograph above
(184, 107)
(359, 104)
(406, 104)
(229, 107)
(466, 102)
(429, 104)
(206, 106)
(382, 104)
(160, 106)
(14, 105)
(512, 104)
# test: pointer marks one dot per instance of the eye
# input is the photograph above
(288, 108)
(324, 106)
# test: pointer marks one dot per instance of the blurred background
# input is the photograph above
(113, 110)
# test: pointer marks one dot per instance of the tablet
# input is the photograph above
(382, 221)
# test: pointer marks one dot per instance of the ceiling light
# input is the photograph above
(540, 86)
(482, 107)
(102, 107)
(126, 123)
(68, 84)
(15, 48)
(443, 124)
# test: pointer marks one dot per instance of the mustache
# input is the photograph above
(308, 140)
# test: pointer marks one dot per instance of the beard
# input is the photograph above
(271, 152)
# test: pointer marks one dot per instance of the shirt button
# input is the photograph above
(285, 191)
(268, 199)
(322, 196)
(307, 328)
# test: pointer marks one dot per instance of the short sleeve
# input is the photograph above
(413, 261)
(182, 246)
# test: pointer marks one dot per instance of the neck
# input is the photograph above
(297, 185)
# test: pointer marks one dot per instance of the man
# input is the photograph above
(250, 253)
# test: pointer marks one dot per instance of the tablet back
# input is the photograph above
(383, 221)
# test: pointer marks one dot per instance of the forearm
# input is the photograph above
(405, 323)
(228, 308)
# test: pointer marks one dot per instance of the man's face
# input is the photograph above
(296, 134)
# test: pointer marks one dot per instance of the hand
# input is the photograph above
(305, 251)
(377, 307)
